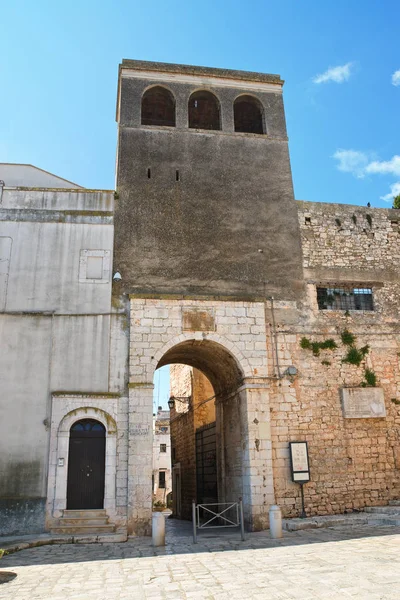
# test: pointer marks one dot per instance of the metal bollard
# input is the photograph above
(194, 524)
(275, 521)
(241, 517)
(158, 529)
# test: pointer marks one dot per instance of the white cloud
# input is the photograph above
(396, 78)
(337, 74)
(385, 167)
(359, 164)
(394, 191)
(352, 161)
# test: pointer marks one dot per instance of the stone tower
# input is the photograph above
(205, 190)
(206, 230)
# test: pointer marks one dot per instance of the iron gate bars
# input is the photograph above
(219, 513)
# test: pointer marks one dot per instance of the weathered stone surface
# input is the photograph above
(229, 224)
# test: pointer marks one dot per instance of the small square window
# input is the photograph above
(163, 447)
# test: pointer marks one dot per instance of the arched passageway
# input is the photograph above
(202, 334)
(208, 424)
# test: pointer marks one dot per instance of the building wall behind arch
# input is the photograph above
(186, 418)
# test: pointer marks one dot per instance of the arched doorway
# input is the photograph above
(226, 341)
(208, 424)
(86, 465)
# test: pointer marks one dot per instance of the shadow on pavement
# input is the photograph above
(6, 576)
(179, 541)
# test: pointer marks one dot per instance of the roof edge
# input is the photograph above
(43, 171)
(144, 65)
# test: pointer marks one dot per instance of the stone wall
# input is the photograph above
(354, 462)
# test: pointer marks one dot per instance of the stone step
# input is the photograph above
(379, 518)
(83, 529)
(66, 521)
(298, 524)
(94, 513)
(383, 520)
(387, 510)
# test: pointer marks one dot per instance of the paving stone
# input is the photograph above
(334, 563)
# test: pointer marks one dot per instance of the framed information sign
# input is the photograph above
(299, 462)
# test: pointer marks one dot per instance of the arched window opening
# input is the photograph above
(248, 115)
(204, 111)
(158, 107)
(86, 425)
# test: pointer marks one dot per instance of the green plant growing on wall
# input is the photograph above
(316, 347)
(354, 355)
(370, 379)
(354, 219)
(369, 219)
(348, 338)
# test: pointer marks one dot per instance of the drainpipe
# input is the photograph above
(275, 336)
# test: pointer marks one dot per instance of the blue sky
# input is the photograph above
(59, 65)
(340, 60)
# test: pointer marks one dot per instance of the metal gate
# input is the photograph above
(206, 464)
(217, 515)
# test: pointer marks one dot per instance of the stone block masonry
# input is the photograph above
(227, 343)
(354, 462)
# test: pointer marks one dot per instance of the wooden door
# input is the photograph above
(86, 465)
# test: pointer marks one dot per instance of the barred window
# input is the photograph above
(163, 447)
(344, 298)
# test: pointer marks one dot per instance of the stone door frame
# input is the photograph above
(66, 410)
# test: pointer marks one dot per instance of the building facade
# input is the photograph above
(162, 480)
(284, 313)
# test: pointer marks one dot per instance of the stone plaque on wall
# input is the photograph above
(363, 403)
(139, 429)
(198, 319)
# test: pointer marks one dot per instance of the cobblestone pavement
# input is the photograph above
(362, 563)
